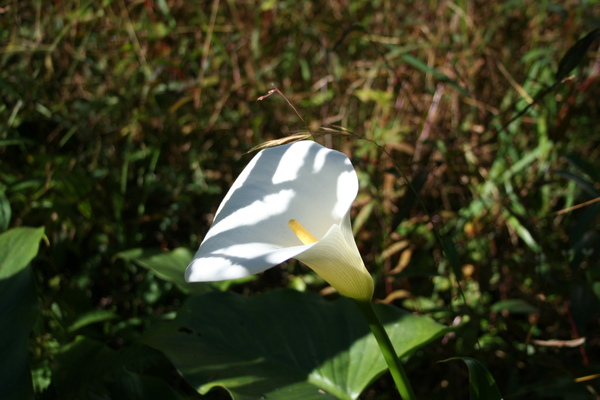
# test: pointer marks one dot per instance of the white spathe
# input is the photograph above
(303, 181)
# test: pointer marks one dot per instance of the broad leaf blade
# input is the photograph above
(18, 247)
(18, 309)
(284, 344)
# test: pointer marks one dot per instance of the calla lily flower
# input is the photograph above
(291, 201)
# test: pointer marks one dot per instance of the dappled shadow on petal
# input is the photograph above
(303, 181)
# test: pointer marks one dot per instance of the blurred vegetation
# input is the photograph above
(124, 122)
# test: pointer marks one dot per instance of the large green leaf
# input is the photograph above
(481, 382)
(18, 247)
(18, 309)
(284, 344)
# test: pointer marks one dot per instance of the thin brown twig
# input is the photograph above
(575, 207)
(276, 90)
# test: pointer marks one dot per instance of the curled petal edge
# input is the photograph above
(338, 261)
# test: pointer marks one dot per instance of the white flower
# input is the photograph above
(291, 201)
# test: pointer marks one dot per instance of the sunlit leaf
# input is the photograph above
(18, 247)
(515, 306)
(380, 97)
(284, 344)
(18, 309)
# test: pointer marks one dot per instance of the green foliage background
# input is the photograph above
(123, 123)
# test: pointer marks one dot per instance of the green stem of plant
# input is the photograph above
(387, 349)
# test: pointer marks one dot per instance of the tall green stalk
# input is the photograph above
(387, 349)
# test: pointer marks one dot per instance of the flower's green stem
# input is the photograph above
(387, 349)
